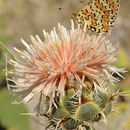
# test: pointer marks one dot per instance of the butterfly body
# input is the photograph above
(98, 15)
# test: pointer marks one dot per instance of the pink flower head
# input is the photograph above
(68, 55)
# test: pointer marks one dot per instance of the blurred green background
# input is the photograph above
(22, 18)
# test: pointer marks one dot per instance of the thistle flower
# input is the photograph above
(71, 70)
(63, 57)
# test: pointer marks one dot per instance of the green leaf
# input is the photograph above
(10, 114)
(5, 49)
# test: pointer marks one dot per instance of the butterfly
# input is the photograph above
(98, 15)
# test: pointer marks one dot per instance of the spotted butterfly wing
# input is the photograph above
(98, 15)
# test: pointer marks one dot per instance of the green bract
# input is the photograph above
(77, 113)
